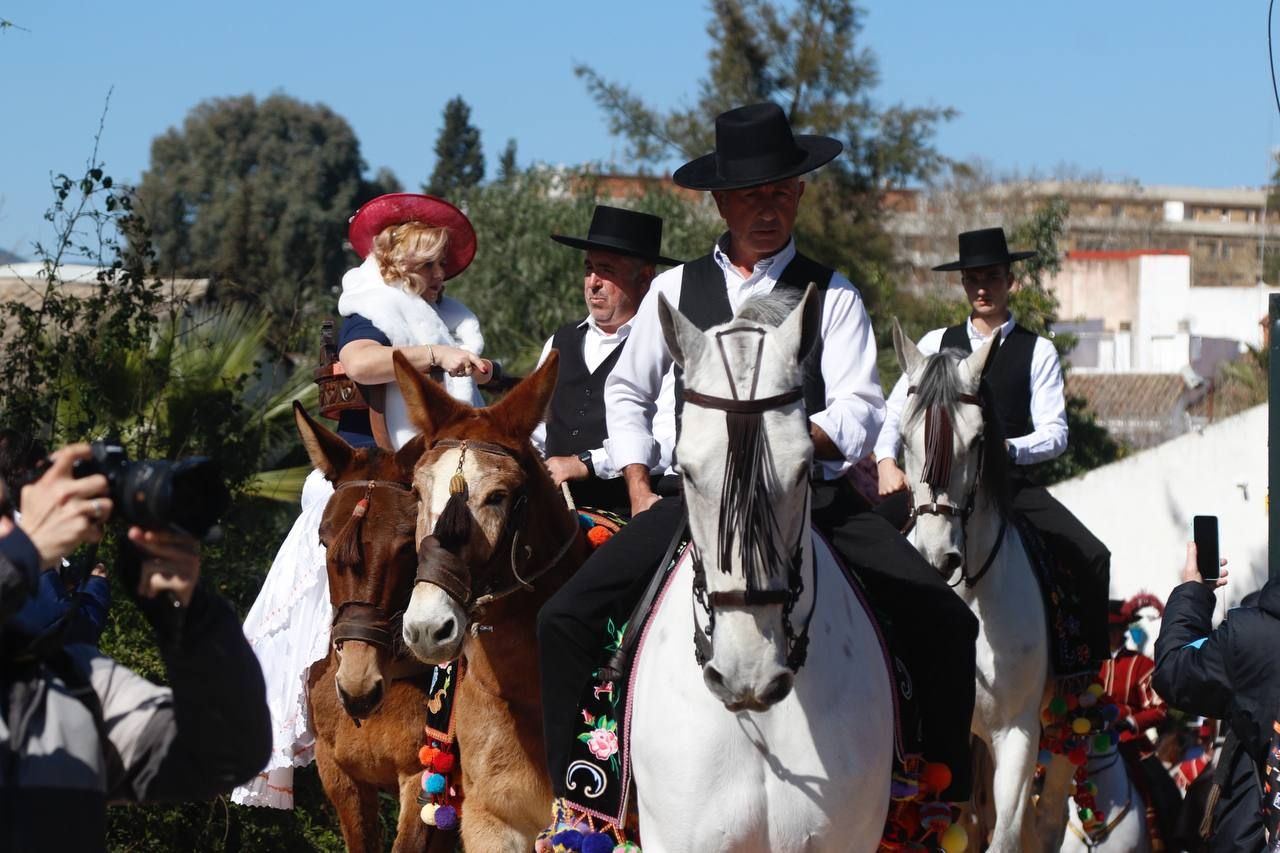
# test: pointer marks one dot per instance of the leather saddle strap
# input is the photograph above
(748, 597)
(621, 659)
(376, 397)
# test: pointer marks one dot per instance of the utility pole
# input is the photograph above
(1273, 435)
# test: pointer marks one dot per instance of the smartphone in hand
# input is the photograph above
(1205, 531)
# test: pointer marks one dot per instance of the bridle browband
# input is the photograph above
(934, 507)
(363, 620)
(797, 641)
(459, 588)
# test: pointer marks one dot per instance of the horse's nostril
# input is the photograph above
(777, 689)
(952, 562)
(445, 632)
(712, 676)
(411, 634)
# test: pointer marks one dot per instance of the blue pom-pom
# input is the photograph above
(585, 522)
(570, 839)
(447, 818)
(1045, 757)
(597, 842)
(434, 784)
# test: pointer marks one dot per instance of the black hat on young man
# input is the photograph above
(754, 146)
(985, 247)
(626, 232)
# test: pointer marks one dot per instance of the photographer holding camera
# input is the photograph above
(77, 729)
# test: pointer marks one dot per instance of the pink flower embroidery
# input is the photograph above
(603, 744)
(587, 717)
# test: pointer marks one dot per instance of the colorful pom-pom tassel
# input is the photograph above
(935, 777)
(954, 839)
(428, 814)
(542, 845)
(447, 818)
(627, 847)
(1081, 725)
(434, 784)
(443, 763)
(598, 535)
(935, 817)
(426, 755)
(597, 842)
(1058, 705)
(568, 840)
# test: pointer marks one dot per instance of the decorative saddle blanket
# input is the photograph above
(599, 774)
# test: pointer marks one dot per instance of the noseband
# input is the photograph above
(363, 620)
(935, 448)
(746, 411)
(453, 576)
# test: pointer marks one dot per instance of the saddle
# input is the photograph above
(1069, 656)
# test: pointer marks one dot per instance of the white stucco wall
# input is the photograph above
(1230, 312)
(1141, 506)
(1164, 286)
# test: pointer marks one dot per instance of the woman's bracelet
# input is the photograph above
(432, 353)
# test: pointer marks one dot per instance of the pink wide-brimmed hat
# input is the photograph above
(398, 208)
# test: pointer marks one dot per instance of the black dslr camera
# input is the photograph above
(187, 496)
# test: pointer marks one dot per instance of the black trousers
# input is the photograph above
(571, 625)
(935, 632)
(1085, 557)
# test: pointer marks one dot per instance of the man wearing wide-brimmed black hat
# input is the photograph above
(620, 251)
(1026, 383)
(754, 178)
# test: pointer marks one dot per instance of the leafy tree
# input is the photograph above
(255, 196)
(807, 57)
(459, 158)
(507, 168)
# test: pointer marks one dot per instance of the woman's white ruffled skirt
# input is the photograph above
(288, 629)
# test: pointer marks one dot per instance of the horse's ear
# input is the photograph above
(329, 453)
(977, 364)
(429, 406)
(684, 340)
(525, 406)
(804, 324)
(909, 357)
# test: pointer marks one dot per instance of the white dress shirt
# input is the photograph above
(635, 405)
(597, 346)
(1048, 407)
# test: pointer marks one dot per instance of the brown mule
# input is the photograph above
(494, 544)
(368, 706)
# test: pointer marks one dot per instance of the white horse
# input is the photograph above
(753, 746)
(1118, 798)
(955, 476)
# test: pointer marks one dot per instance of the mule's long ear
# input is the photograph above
(684, 340)
(525, 406)
(328, 452)
(803, 326)
(909, 357)
(430, 407)
(977, 364)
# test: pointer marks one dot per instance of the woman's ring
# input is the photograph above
(96, 506)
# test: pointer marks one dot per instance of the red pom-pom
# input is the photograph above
(936, 777)
(443, 763)
(1077, 756)
(598, 535)
(427, 755)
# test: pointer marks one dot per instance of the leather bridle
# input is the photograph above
(935, 507)
(447, 571)
(797, 641)
(363, 620)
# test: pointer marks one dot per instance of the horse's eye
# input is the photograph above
(495, 498)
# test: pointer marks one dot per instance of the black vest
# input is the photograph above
(576, 419)
(704, 300)
(1009, 377)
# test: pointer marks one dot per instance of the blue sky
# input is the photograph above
(1162, 91)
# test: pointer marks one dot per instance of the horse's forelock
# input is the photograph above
(770, 309)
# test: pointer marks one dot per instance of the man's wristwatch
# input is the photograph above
(585, 458)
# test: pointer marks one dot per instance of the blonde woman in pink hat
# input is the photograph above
(393, 301)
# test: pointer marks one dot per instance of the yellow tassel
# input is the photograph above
(458, 485)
